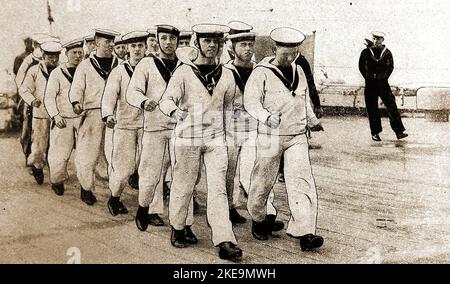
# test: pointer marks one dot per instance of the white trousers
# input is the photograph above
(40, 129)
(242, 156)
(300, 184)
(188, 155)
(125, 153)
(89, 147)
(62, 142)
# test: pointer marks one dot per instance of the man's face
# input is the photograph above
(378, 41)
(105, 45)
(167, 43)
(184, 42)
(120, 50)
(152, 45)
(209, 46)
(285, 55)
(137, 50)
(75, 55)
(244, 50)
(90, 45)
(51, 60)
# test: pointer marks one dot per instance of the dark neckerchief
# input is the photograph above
(165, 72)
(103, 73)
(211, 79)
(45, 73)
(291, 87)
(129, 68)
(67, 74)
(287, 72)
(241, 75)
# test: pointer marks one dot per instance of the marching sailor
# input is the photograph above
(65, 121)
(197, 96)
(85, 96)
(125, 121)
(32, 92)
(276, 95)
(146, 87)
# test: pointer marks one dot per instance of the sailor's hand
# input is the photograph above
(318, 111)
(77, 109)
(317, 127)
(274, 120)
(110, 121)
(36, 103)
(60, 122)
(179, 114)
(150, 105)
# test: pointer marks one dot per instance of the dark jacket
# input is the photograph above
(313, 95)
(18, 61)
(376, 64)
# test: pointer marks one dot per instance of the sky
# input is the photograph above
(418, 32)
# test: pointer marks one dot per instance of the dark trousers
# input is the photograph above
(373, 90)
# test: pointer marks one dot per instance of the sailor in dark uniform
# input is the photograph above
(376, 65)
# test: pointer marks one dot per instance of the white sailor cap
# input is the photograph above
(118, 40)
(105, 33)
(89, 37)
(239, 27)
(240, 31)
(168, 29)
(135, 36)
(43, 37)
(185, 35)
(287, 37)
(51, 47)
(210, 30)
(378, 34)
(76, 43)
(152, 32)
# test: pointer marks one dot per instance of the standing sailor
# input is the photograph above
(125, 121)
(32, 92)
(376, 65)
(276, 95)
(197, 96)
(85, 96)
(65, 121)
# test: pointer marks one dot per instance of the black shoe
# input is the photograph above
(228, 250)
(376, 137)
(88, 197)
(281, 178)
(196, 206)
(38, 175)
(260, 231)
(236, 218)
(166, 191)
(189, 236)
(58, 188)
(133, 180)
(401, 135)
(177, 238)
(116, 206)
(309, 242)
(155, 220)
(141, 219)
(273, 224)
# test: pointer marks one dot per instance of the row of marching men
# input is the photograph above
(180, 109)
